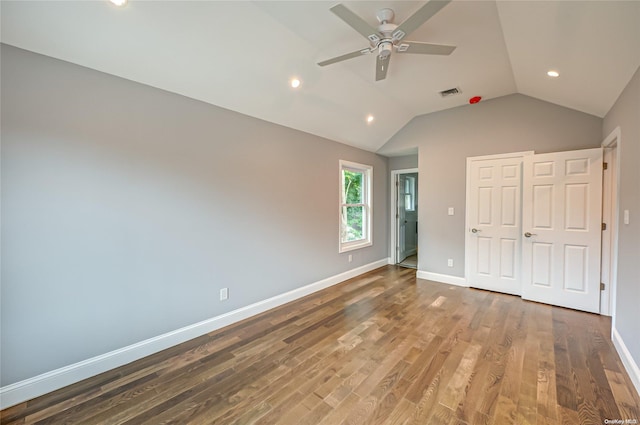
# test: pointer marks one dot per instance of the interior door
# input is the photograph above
(402, 219)
(562, 198)
(494, 224)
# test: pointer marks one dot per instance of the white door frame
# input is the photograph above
(393, 251)
(609, 293)
(467, 212)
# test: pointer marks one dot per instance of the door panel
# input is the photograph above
(494, 253)
(508, 254)
(484, 256)
(562, 198)
(543, 257)
(542, 202)
(576, 263)
(510, 203)
(484, 205)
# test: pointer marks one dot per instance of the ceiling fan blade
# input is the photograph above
(382, 66)
(425, 48)
(345, 57)
(356, 22)
(421, 16)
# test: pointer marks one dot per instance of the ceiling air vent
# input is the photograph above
(450, 92)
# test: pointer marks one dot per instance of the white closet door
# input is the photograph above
(562, 207)
(494, 224)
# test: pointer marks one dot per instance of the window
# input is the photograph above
(410, 194)
(355, 205)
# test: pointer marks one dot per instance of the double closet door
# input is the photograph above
(534, 226)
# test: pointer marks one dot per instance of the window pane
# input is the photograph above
(353, 223)
(410, 194)
(352, 182)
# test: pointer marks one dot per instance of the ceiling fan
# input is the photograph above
(388, 36)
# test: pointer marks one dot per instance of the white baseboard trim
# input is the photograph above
(629, 364)
(19, 392)
(442, 278)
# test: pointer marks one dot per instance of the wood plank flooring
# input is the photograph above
(381, 348)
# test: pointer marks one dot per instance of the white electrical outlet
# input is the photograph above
(224, 294)
(450, 262)
(626, 217)
(450, 212)
(350, 258)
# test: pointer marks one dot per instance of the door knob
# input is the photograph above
(528, 235)
(474, 230)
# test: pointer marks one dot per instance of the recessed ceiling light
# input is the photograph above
(553, 73)
(295, 83)
(119, 2)
(369, 119)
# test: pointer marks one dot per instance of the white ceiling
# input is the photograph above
(240, 55)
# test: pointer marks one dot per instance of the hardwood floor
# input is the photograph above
(378, 349)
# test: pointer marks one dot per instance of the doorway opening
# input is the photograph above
(405, 214)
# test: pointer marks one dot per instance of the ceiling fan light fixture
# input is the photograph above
(384, 50)
(295, 83)
(552, 73)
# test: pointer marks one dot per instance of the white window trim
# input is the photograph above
(368, 202)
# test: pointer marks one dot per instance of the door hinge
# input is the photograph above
(605, 165)
(604, 226)
(601, 286)
(397, 215)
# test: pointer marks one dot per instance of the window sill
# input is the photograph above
(351, 246)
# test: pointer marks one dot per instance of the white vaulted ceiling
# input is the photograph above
(241, 55)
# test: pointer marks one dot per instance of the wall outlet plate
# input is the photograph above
(450, 262)
(224, 294)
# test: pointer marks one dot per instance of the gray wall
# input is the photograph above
(626, 114)
(403, 162)
(125, 209)
(445, 139)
